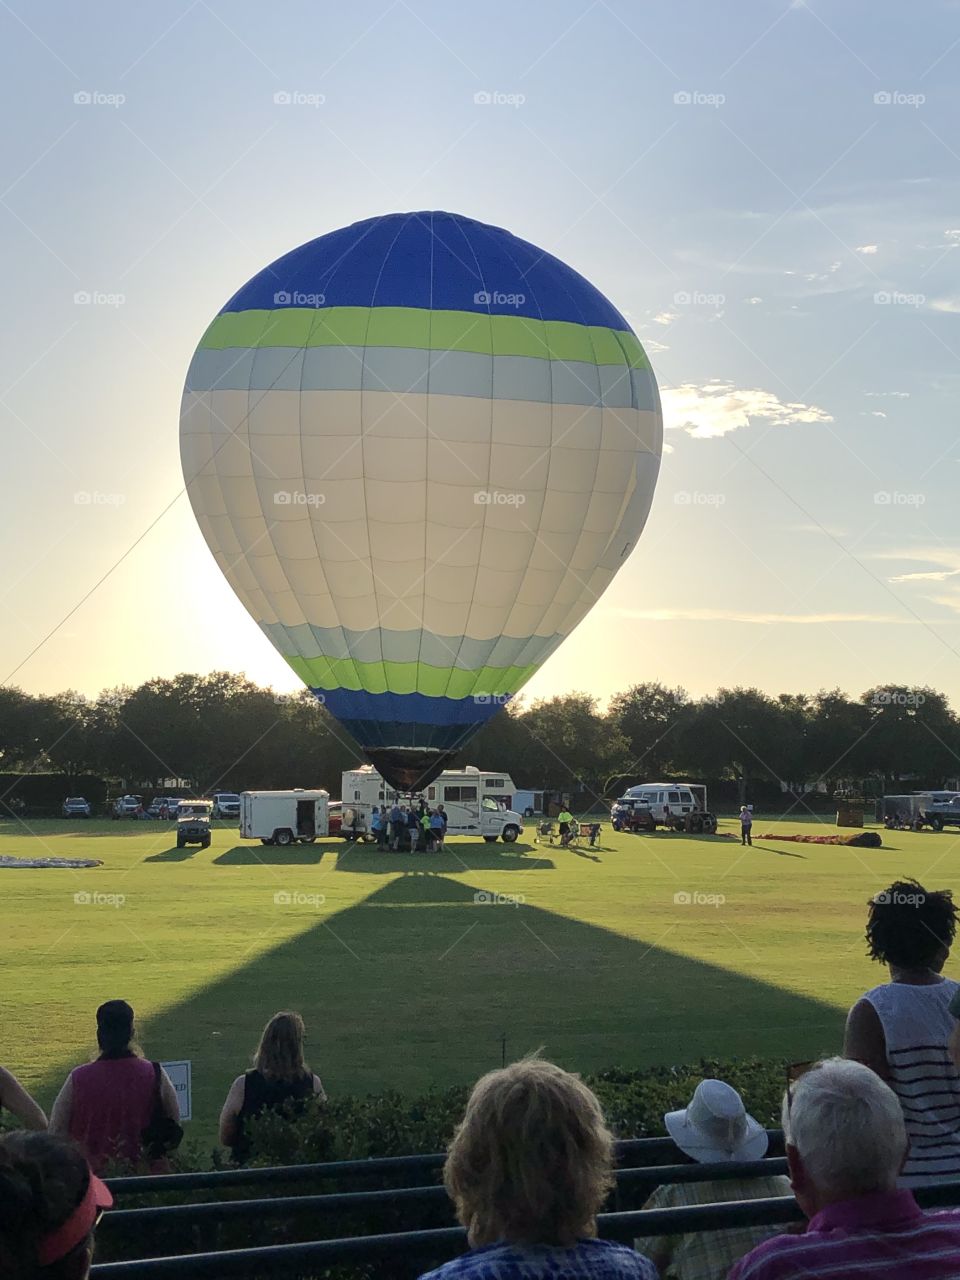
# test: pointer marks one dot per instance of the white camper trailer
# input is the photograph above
(476, 802)
(284, 817)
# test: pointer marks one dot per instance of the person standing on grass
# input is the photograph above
(437, 828)
(413, 828)
(902, 1029)
(376, 825)
(746, 825)
(564, 820)
(280, 1076)
(107, 1104)
(15, 1099)
(396, 822)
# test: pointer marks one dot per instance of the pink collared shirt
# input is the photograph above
(884, 1236)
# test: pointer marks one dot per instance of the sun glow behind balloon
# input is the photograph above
(419, 449)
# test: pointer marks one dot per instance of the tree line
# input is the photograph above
(223, 732)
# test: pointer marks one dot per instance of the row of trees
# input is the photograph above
(221, 731)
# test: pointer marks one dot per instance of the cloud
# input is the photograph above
(752, 302)
(753, 619)
(867, 248)
(931, 575)
(897, 395)
(652, 345)
(719, 407)
(665, 317)
(950, 305)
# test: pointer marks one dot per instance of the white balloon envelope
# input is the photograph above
(419, 449)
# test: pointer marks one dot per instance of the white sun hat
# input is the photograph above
(715, 1126)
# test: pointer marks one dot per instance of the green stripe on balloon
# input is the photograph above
(408, 677)
(418, 328)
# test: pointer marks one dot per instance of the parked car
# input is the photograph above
(76, 807)
(127, 807)
(226, 804)
(163, 807)
(193, 823)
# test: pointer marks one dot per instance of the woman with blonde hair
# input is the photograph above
(279, 1075)
(528, 1169)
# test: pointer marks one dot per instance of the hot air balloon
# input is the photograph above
(419, 449)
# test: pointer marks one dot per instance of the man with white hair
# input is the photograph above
(846, 1144)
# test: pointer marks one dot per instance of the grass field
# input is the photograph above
(407, 980)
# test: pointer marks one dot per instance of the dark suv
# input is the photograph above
(193, 823)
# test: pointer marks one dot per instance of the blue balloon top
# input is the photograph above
(440, 261)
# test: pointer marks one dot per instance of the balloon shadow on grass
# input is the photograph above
(413, 987)
(262, 855)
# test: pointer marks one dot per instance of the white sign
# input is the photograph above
(180, 1078)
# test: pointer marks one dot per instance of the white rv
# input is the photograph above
(284, 817)
(476, 802)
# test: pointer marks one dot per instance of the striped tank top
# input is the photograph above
(917, 1025)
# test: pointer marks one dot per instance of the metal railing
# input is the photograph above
(638, 1179)
(645, 1149)
(445, 1242)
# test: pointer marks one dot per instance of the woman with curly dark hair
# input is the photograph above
(50, 1202)
(902, 1028)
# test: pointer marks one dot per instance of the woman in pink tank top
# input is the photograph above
(106, 1104)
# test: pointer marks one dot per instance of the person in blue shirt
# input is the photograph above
(437, 828)
(398, 823)
(377, 826)
(528, 1169)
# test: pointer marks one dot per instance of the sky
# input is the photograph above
(768, 191)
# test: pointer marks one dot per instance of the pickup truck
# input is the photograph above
(943, 813)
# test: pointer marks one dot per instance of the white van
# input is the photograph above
(475, 801)
(667, 800)
(284, 817)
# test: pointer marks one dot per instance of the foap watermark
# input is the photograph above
(293, 898)
(298, 98)
(484, 896)
(898, 698)
(284, 498)
(894, 298)
(286, 298)
(695, 98)
(897, 98)
(498, 298)
(694, 498)
(94, 498)
(497, 98)
(893, 498)
(98, 298)
(897, 898)
(696, 298)
(96, 899)
(491, 699)
(97, 98)
(698, 899)
(498, 498)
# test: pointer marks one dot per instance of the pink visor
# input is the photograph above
(57, 1244)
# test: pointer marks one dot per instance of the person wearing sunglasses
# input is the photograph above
(902, 1028)
(846, 1142)
(50, 1204)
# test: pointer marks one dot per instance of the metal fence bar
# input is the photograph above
(285, 1206)
(447, 1241)
(629, 1148)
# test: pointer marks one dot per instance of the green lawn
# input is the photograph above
(405, 980)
